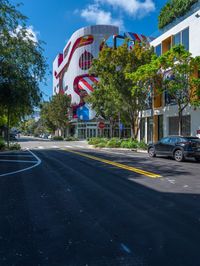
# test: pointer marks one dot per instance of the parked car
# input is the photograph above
(178, 147)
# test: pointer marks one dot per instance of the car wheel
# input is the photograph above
(197, 159)
(151, 152)
(179, 156)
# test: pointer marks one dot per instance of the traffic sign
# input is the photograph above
(101, 125)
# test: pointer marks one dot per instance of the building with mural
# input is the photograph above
(70, 75)
(162, 119)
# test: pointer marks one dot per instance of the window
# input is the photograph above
(142, 129)
(182, 37)
(165, 140)
(149, 129)
(177, 39)
(158, 50)
(173, 140)
(186, 125)
(185, 38)
(160, 127)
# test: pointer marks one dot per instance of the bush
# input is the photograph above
(14, 146)
(2, 145)
(101, 145)
(114, 143)
(58, 138)
(174, 9)
(71, 139)
(142, 145)
(95, 141)
(129, 144)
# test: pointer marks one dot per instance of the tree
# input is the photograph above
(54, 113)
(181, 83)
(22, 65)
(114, 94)
(176, 72)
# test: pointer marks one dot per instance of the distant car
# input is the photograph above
(13, 137)
(50, 136)
(178, 147)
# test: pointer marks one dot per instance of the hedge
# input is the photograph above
(172, 10)
(117, 143)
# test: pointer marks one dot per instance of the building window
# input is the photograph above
(182, 37)
(169, 99)
(158, 50)
(149, 129)
(186, 125)
(185, 38)
(177, 39)
(160, 127)
(142, 129)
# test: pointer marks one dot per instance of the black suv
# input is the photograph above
(177, 147)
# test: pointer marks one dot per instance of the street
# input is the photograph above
(67, 204)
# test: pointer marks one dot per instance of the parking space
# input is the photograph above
(17, 161)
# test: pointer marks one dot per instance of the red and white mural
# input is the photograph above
(70, 68)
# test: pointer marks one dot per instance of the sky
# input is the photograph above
(54, 21)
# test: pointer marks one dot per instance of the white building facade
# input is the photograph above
(162, 119)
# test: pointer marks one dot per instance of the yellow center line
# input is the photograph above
(119, 165)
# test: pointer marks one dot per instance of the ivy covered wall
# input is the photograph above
(172, 10)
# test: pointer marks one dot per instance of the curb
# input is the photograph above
(118, 149)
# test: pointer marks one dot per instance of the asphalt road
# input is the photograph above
(63, 208)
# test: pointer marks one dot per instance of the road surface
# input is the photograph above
(76, 206)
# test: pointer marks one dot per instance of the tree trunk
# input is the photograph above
(133, 130)
(180, 122)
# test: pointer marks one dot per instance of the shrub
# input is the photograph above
(71, 139)
(142, 145)
(173, 9)
(101, 145)
(95, 141)
(58, 138)
(14, 146)
(129, 144)
(114, 143)
(2, 145)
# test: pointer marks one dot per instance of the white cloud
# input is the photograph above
(94, 14)
(30, 33)
(132, 7)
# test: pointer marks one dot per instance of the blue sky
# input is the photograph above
(54, 21)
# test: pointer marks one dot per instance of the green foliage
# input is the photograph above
(117, 143)
(172, 10)
(115, 93)
(58, 138)
(14, 146)
(114, 143)
(71, 139)
(142, 145)
(182, 85)
(2, 145)
(54, 113)
(129, 144)
(22, 66)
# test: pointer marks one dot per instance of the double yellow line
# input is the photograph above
(119, 165)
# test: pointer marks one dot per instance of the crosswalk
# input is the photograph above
(58, 147)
